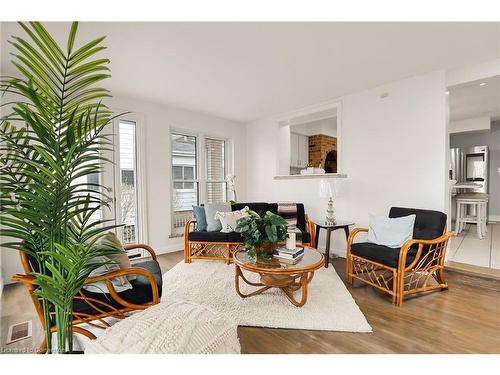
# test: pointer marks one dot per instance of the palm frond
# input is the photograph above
(53, 137)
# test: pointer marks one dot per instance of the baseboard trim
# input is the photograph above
(169, 249)
(471, 270)
(494, 218)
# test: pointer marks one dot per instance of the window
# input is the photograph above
(190, 185)
(216, 170)
(128, 181)
(180, 172)
(92, 183)
(185, 184)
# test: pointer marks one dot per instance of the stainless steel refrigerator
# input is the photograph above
(469, 165)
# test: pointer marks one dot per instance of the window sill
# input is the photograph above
(309, 176)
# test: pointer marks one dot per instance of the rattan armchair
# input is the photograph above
(418, 266)
(92, 308)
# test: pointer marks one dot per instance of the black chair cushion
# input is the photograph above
(260, 207)
(428, 224)
(305, 237)
(381, 254)
(142, 281)
(234, 237)
(301, 217)
(139, 294)
(204, 236)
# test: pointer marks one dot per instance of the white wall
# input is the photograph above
(470, 124)
(158, 119)
(326, 126)
(472, 72)
(393, 151)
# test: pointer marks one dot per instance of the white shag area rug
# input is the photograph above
(329, 307)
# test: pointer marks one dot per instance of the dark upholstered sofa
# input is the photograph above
(219, 245)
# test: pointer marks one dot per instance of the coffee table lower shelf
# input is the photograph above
(289, 284)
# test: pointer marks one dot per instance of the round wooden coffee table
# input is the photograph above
(290, 278)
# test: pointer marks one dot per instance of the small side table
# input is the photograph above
(339, 224)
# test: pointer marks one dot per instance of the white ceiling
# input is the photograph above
(246, 71)
(474, 100)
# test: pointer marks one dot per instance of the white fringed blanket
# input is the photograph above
(171, 327)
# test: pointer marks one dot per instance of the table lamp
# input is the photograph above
(327, 189)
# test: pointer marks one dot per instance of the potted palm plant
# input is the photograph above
(52, 139)
(262, 234)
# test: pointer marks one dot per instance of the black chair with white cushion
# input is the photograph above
(418, 266)
(91, 307)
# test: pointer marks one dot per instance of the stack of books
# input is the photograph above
(289, 256)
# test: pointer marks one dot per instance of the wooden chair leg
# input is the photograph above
(43, 347)
(440, 277)
(400, 275)
(395, 284)
(349, 269)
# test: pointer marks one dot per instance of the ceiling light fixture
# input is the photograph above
(483, 84)
(447, 93)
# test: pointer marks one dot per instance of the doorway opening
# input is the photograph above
(474, 175)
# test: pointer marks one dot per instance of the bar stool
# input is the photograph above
(478, 203)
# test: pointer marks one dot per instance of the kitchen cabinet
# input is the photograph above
(303, 151)
(299, 150)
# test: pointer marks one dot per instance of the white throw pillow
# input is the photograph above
(230, 219)
(391, 232)
(213, 223)
(110, 239)
(120, 284)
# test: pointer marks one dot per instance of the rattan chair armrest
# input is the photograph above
(354, 233)
(148, 248)
(125, 272)
(189, 223)
(307, 222)
(350, 240)
(445, 237)
(310, 229)
(118, 273)
(26, 279)
(421, 243)
(187, 227)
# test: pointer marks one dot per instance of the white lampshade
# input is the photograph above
(328, 188)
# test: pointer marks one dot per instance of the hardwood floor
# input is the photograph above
(464, 319)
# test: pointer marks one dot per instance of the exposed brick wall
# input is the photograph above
(319, 146)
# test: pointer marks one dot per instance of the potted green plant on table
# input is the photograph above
(261, 234)
(51, 141)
